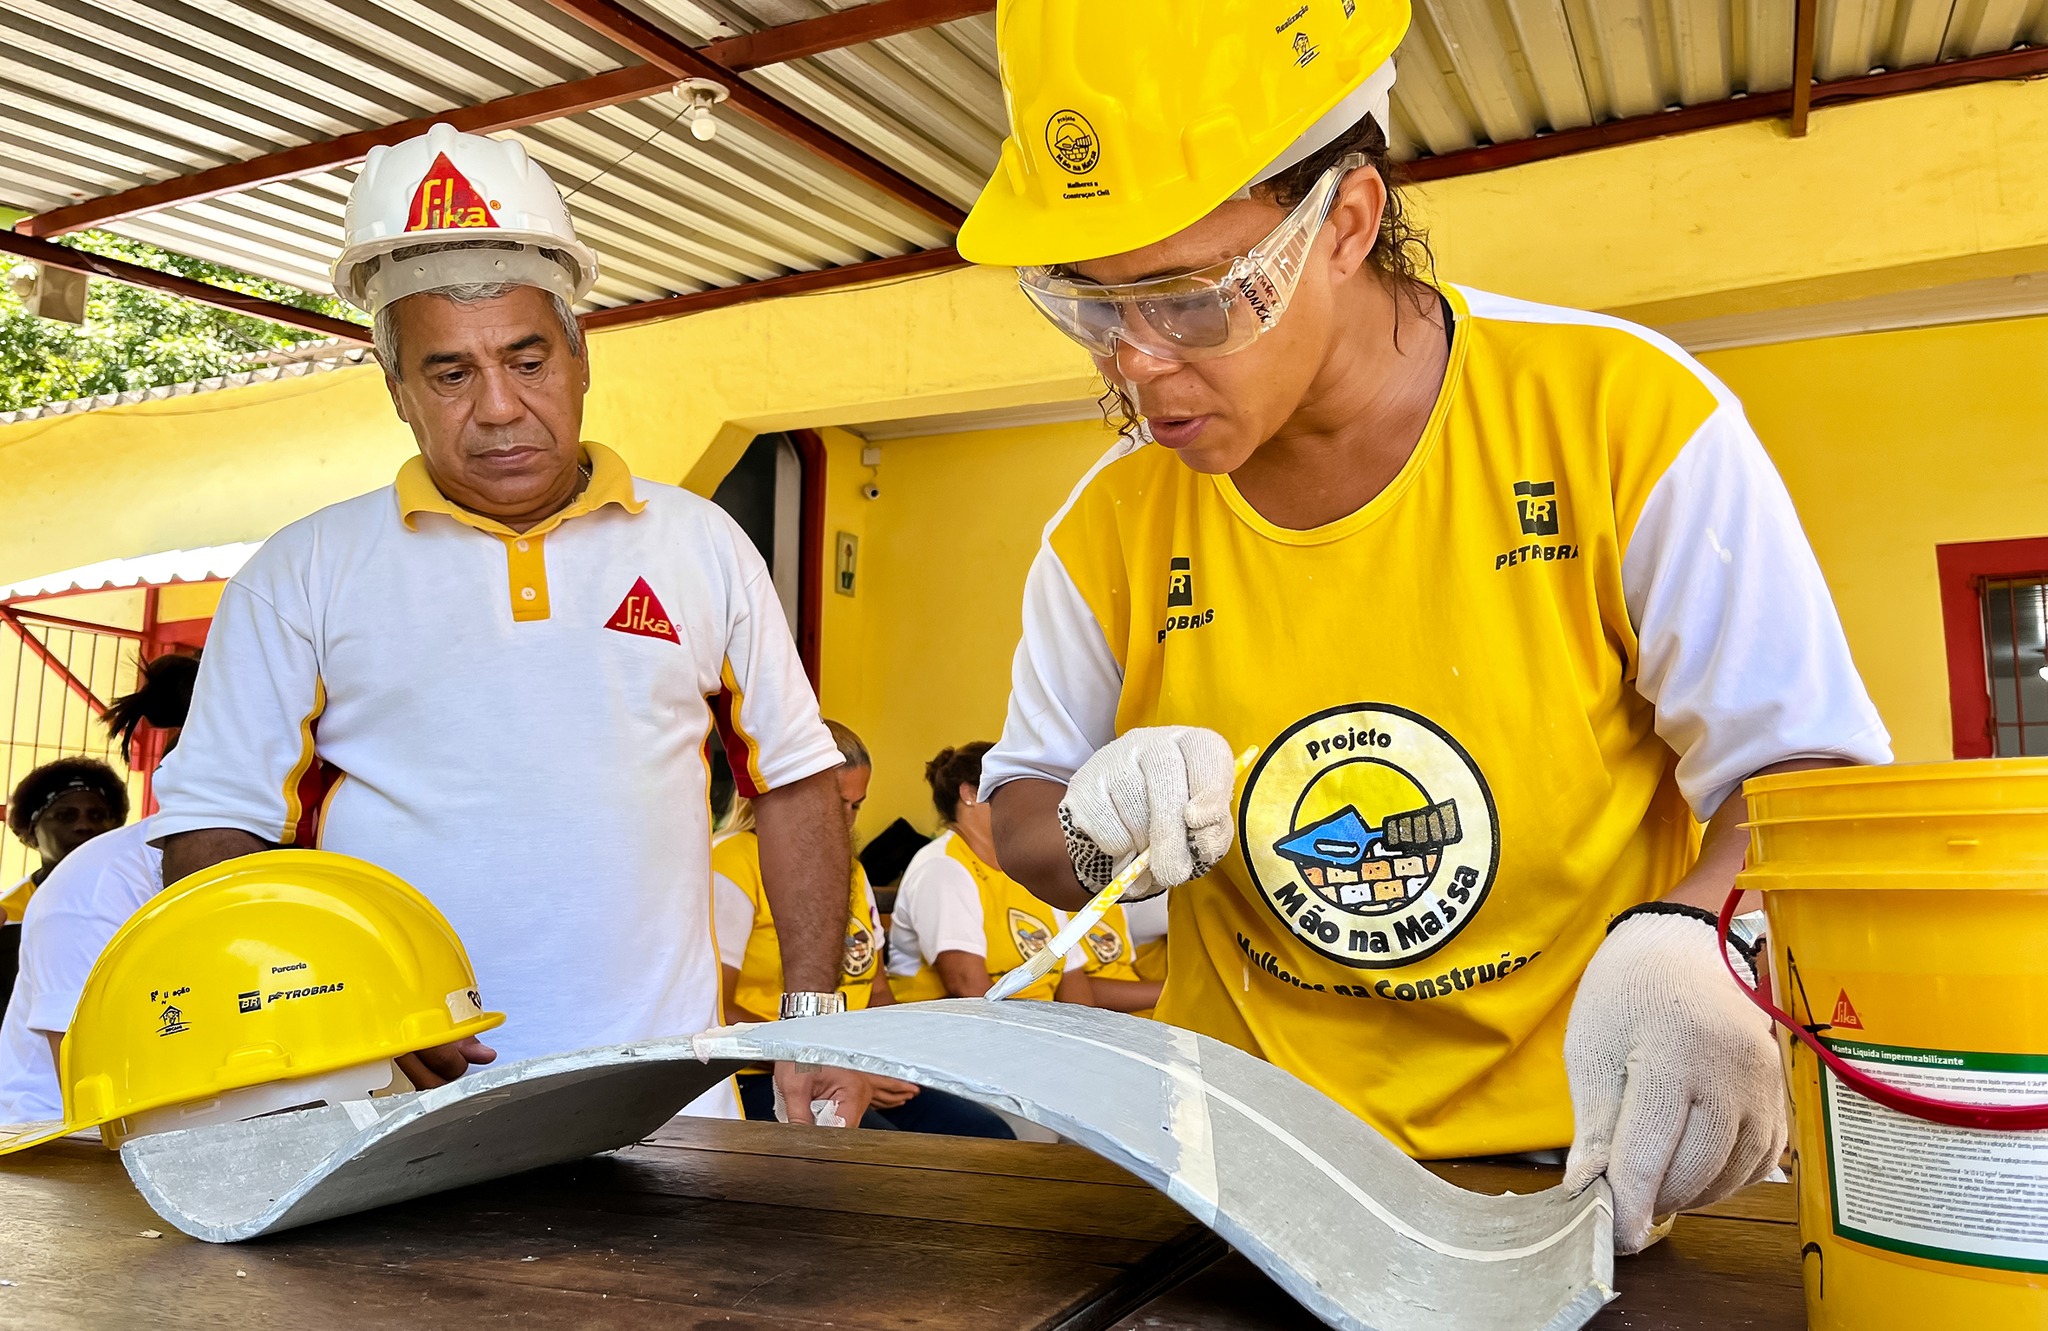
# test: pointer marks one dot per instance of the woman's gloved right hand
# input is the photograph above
(1166, 788)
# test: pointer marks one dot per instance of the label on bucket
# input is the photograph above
(1972, 1196)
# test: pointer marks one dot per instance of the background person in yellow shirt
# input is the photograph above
(1506, 594)
(960, 922)
(750, 955)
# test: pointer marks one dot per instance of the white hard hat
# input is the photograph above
(449, 186)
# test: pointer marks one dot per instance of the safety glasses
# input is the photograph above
(1192, 316)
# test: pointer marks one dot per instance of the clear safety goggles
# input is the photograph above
(1192, 316)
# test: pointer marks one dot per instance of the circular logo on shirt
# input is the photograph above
(1370, 832)
(1072, 142)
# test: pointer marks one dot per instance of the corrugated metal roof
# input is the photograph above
(208, 563)
(103, 95)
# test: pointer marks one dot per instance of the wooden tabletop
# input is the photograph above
(763, 1227)
(752, 1226)
(1731, 1265)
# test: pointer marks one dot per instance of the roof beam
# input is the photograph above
(1805, 32)
(562, 99)
(770, 46)
(2022, 63)
(95, 265)
(844, 27)
(652, 44)
(790, 284)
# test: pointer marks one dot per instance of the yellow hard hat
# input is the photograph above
(1130, 121)
(277, 967)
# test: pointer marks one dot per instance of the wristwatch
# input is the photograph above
(811, 1005)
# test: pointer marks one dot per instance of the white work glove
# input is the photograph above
(1677, 1092)
(1166, 787)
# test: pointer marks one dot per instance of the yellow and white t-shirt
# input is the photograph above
(1148, 932)
(1489, 705)
(951, 900)
(749, 944)
(14, 906)
(514, 723)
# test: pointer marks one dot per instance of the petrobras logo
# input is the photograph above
(446, 201)
(1370, 833)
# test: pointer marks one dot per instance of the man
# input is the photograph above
(496, 677)
(56, 809)
(1506, 595)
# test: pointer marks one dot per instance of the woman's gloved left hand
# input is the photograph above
(1677, 1093)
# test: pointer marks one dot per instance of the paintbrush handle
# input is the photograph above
(1040, 964)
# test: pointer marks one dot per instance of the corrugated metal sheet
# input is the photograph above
(103, 95)
(157, 570)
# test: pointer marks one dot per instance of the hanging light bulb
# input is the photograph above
(698, 97)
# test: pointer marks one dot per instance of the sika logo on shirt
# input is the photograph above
(641, 613)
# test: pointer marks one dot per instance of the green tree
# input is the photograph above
(134, 338)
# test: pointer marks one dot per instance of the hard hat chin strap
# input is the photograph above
(438, 270)
(1371, 98)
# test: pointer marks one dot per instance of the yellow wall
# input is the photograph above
(920, 657)
(1892, 443)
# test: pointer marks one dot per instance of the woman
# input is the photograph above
(750, 957)
(960, 922)
(1505, 594)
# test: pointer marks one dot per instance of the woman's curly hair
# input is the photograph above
(1400, 255)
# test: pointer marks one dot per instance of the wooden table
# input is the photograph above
(761, 1227)
(1731, 1265)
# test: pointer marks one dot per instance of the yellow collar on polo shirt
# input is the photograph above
(610, 483)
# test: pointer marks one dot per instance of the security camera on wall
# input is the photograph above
(871, 491)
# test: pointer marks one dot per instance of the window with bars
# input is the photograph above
(2015, 613)
(55, 678)
(1994, 611)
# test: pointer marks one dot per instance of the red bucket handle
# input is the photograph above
(2006, 1118)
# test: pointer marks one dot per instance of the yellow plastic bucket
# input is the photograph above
(1908, 912)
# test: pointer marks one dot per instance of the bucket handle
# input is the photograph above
(2006, 1118)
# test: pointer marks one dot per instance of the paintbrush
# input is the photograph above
(1041, 962)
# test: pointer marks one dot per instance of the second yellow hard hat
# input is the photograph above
(1130, 121)
(280, 967)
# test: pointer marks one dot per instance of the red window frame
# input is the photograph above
(810, 589)
(1964, 567)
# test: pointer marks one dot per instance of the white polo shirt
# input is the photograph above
(515, 725)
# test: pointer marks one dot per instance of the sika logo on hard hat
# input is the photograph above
(446, 199)
(1371, 834)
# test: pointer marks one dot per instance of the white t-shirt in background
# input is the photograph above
(79, 908)
(938, 909)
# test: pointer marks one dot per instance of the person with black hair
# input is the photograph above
(56, 809)
(961, 922)
(82, 902)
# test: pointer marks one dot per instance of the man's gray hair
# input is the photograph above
(384, 330)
